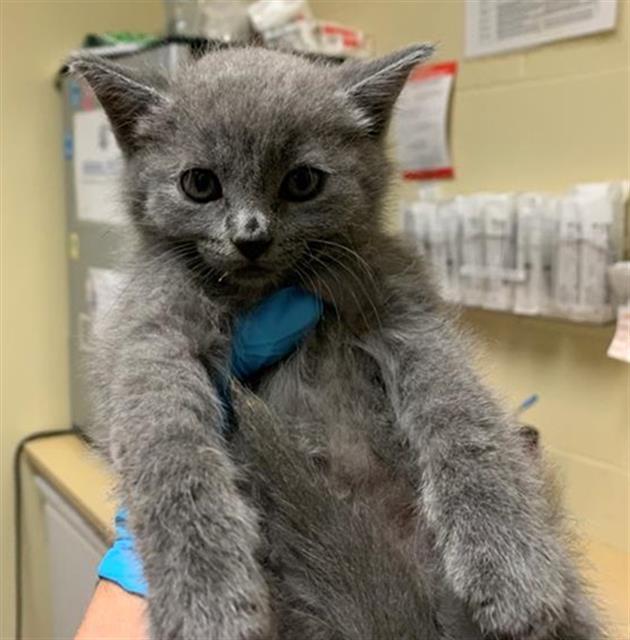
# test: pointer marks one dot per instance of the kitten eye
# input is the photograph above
(301, 184)
(201, 185)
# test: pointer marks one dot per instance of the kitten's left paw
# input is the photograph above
(500, 619)
(513, 591)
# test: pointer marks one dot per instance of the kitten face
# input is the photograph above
(252, 122)
(257, 158)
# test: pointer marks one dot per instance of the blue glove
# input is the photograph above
(261, 337)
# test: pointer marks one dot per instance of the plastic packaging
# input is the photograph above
(473, 252)
(498, 223)
(300, 35)
(534, 242)
(530, 253)
(271, 14)
(449, 214)
(226, 20)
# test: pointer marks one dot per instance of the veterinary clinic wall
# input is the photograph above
(34, 393)
(541, 119)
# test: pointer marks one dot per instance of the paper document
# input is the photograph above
(421, 122)
(620, 346)
(495, 26)
(98, 166)
(103, 287)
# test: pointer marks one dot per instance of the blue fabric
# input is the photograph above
(260, 338)
(273, 329)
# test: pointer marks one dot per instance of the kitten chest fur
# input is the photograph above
(331, 400)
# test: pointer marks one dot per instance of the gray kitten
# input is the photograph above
(373, 488)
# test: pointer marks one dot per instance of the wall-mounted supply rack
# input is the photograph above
(528, 253)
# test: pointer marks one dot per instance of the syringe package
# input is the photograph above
(529, 253)
(473, 252)
(498, 215)
(535, 233)
(448, 216)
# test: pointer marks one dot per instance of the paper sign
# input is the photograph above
(495, 26)
(620, 346)
(421, 123)
(98, 166)
(103, 288)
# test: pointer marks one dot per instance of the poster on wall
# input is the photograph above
(98, 165)
(421, 123)
(496, 26)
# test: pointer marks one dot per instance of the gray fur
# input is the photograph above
(374, 489)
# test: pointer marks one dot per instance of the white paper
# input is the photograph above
(421, 123)
(620, 346)
(102, 290)
(98, 167)
(495, 26)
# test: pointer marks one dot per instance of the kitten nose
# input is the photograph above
(252, 249)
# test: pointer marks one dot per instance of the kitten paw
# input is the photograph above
(501, 620)
(210, 619)
(233, 606)
(513, 591)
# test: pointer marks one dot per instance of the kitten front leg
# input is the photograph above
(197, 539)
(196, 535)
(499, 553)
(479, 490)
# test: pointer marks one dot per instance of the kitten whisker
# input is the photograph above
(363, 262)
(323, 283)
(350, 291)
(331, 293)
(348, 269)
(313, 281)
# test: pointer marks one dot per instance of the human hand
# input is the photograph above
(114, 614)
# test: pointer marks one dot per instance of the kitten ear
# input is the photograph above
(374, 86)
(124, 94)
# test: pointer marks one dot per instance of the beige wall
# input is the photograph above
(35, 38)
(539, 119)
